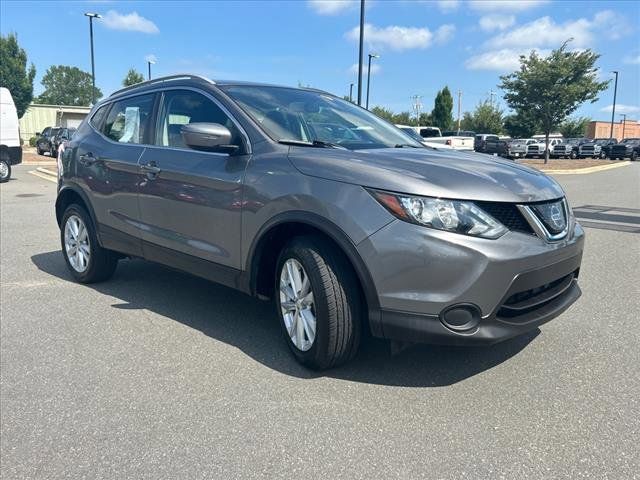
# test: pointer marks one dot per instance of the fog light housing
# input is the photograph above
(461, 317)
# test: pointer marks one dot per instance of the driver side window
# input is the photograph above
(181, 107)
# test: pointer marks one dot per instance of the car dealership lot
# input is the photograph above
(156, 374)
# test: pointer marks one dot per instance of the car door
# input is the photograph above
(107, 167)
(191, 200)
(41, 143)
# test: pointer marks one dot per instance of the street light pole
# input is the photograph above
(93, 66)
(351, 92)
(371, 55)
(360, 57)
(624, 123)
(151, 60)
(149, 66)
(613, 110)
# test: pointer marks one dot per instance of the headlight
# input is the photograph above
(450, 215)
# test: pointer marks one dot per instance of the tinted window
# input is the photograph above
(429, 133)
(181, 107)
(46, 131)
(54, 132)
(492, 138)
(128, 120)
(98, 116)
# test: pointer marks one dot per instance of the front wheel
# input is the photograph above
(634, 156)
(87, 261)
(5, 170)
(318, 302)
(573, 155)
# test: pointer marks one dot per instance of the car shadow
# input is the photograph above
(252, 326)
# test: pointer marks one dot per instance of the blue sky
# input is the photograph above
(423, 45)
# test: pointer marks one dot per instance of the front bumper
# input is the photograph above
(514, 283)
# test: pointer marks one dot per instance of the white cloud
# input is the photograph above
(501, 51)
(375, 68)
(505, 5)
(496, 21)
(331, 7)
(128, 21)
(621, 108)
(447, 6)
(632, 59)
(504, 60)
(544, 32)
(444, 33)
(401, 38)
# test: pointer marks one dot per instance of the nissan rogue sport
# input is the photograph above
(295, 195)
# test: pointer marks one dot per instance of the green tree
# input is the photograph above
(402, 118)
(14, 73)
(67, 86)
(574, 127)
(441, 115)
(383, 113)
(425, 120)
(521, 125)
(486, 118)
(551, 88)
(132, 78)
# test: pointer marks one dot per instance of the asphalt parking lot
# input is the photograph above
(156, 374)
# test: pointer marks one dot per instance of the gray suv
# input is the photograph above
(295, 195)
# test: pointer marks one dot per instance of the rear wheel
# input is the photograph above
(5, 170)
(318, 302)
(87, 261)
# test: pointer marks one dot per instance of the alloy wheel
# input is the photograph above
(297, 305)
(4, 170)
(76, 243)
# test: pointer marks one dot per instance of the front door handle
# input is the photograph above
(88, 159)
(151, 169)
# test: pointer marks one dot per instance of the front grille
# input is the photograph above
(533, 148)
(507, 214)
(524, 302)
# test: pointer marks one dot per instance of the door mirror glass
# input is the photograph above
(210, 137)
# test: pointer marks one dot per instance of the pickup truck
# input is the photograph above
(458, 139)
(627, 148)
(411, 131)
(457, 142)
(537, 147)
(516, 148)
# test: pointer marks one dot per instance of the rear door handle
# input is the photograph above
(88, 159)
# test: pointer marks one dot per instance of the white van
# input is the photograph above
(10, 148)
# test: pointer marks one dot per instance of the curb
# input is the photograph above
(582, 171)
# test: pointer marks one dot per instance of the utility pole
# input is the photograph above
(491, 95)
(613, 110)
(624, 123)
(93, 66)
(459, 108)
(351, 92)
(417, 105)
(361, 55)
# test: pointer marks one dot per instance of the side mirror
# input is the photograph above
(209, 137)
(38, 134)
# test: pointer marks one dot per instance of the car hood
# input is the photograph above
(445, 174)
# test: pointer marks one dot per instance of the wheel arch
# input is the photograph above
(279, 230)
(70, 194)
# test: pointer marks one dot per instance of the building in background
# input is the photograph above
(599, 129)
(38, 117)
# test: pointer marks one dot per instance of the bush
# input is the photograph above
(32, 141)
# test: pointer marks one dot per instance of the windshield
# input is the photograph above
(411, 132)
(307, 116)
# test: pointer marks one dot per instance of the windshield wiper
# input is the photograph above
(314, 143)
(405, 145)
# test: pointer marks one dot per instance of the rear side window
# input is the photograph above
(129, 120)
(98, 117)
(181, 107)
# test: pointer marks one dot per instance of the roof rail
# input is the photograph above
(168, 78)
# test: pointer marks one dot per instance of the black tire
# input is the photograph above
(634, 156)
(6, 167)
(39, 150)
(337, 302)
(102, 262)
(573, 155)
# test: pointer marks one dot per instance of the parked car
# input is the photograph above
(590, 149)
(485, 143)
(228, 181)
(10, 145)
(60, 136)
(536, 147)
(458, 140)
(605, 146)
(568, 148)
(516, 148)
(413, 134)
(45, 143)
(627, 148)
